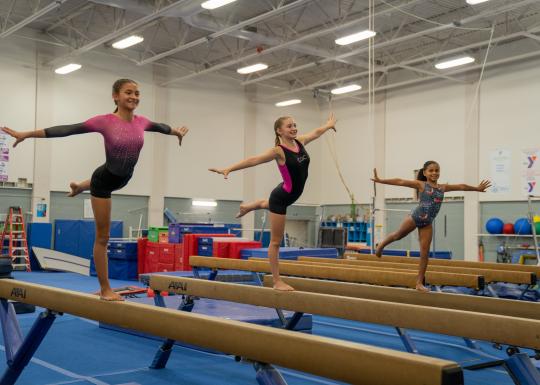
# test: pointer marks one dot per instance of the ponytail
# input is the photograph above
(277, 125)
(420, 175)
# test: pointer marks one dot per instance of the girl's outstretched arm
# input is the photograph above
(265, 157)
(20, 136)
(417, 184)
(482, 187)
(165, 129)
(51, 132)
(316, 133)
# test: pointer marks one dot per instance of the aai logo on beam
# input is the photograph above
(18, 292)
(178, 286)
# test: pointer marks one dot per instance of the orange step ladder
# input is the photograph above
(16, 246)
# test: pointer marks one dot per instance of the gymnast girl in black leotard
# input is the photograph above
(293, 163)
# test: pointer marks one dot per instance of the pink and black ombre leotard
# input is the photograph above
(123, 143)
(295, 174)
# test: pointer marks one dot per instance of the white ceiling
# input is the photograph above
(295, 38)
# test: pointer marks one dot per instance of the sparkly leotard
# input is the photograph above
(428, 207)
(123, 143)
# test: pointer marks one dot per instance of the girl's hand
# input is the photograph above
(225, 172)
(181, 132)
(19, 136)
(375, 176)
(483, 186)
(331, 122)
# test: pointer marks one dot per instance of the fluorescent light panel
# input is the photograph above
(473, 2)
(128, 42)
(213, 4)
(349, 39)
(67, 69)
(454, 62)
(204, 203)
(286, 103)
(345, 89)
(252, 68)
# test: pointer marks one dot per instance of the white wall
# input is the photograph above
(425, 123)
(17, 102)
(214, 115)
(353, 144)
(510, 118)
(421, 123)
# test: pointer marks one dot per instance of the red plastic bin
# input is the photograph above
(141, 254)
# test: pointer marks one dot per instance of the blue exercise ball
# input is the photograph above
(522, 227)
(494, 226)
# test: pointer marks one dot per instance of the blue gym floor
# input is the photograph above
(77, 351)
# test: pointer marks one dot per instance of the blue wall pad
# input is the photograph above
(291, 253)
(122, 250)
(121, 269)
(403, 253)
(39, 235)
(76, 237)
(223, 309)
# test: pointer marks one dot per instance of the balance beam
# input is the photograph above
(507, 307)
(518, 331)
(339, 360)
(374, 277)
(447, 262)
(490, 275)
(473, 281)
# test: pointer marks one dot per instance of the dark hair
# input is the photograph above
(277, 124)
(117, 86)
(420, 175)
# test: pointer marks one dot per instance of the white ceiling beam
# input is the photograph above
(402, 39)
(282, 46)
(412, 61)
(225, 31)
(507, 60)
(31, 18)
(69, 17)
(120, 32)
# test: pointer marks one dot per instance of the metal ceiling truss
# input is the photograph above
(294, 37)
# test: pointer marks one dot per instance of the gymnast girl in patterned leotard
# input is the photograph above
(123, 134)
(430, 195)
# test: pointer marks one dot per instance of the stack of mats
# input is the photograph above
(231, 248)
(178, 230)
(123, 263)
(291, 253)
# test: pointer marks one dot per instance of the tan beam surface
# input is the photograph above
(488, 327)
(474, 281)
(512, 308)
(340, 360)
(374, 277)
(449, 262)
(490, 275)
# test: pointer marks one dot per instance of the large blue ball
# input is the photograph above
(522, 227)
(494, 226)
